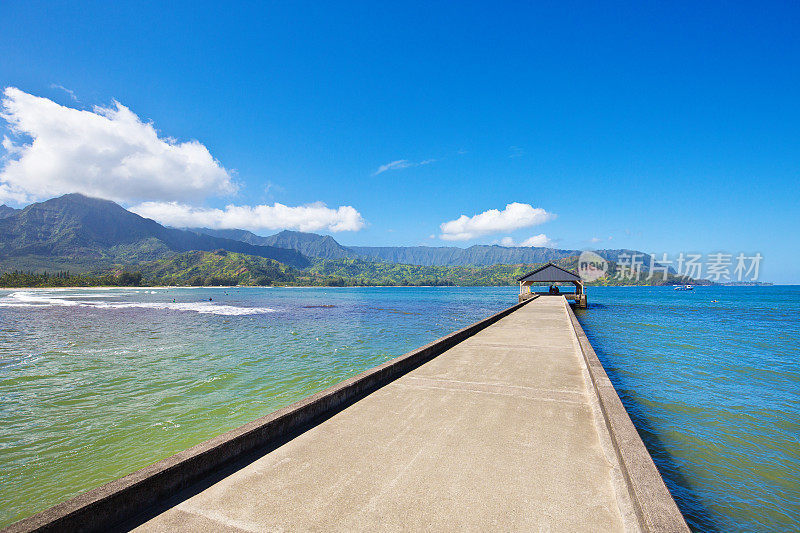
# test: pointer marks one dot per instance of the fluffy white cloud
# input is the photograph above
(514, 216)
(312, 217)
(536, 240)
(110, 153)
(107, 152)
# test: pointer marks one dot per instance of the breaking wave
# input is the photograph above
(30, 299)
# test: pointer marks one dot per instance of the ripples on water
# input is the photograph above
(96, 383)
(714, 389)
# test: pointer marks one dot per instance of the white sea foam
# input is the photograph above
(30, 299)
(197, 307)
(26, 298)
(92, 296)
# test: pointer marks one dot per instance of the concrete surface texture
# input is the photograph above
(502, 431)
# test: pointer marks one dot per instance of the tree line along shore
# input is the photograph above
(223, 268)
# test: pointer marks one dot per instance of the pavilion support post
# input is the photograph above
(581, 296)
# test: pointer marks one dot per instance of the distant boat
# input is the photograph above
(683, 287)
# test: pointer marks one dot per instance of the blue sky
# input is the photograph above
(667, 127)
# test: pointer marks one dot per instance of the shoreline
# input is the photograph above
(110, 287)
(106, 287)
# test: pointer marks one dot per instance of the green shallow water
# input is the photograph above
(96, 383)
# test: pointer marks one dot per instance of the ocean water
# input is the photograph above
(96, 383)
(711, 380)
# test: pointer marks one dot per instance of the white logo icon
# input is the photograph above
(591, 266)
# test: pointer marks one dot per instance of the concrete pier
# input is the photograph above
(510, 428)
(502, 431)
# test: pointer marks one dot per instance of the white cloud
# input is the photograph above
(536, 240)
(7, 194)
(111, 153)
(107, 152)
(595, 239)
(70, 92)
(401, 164)
(394, 165)
(515, 216)
(311, 217)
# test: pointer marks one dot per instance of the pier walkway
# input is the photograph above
(501, 431)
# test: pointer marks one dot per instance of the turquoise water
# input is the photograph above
(96, 383)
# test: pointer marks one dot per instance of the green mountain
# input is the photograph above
(98, 241)
(234, 234)
(216, 268)
(325, 247)
(230, 268)
(308, 244)
(478, 255)
(93, 230)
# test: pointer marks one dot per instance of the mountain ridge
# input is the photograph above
(81, 232)
(75, 225)
(309, 244)
(7, 211)
(318, 246)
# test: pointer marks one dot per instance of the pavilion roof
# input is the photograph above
(550, 273)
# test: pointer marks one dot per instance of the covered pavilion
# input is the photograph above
(552, 275)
